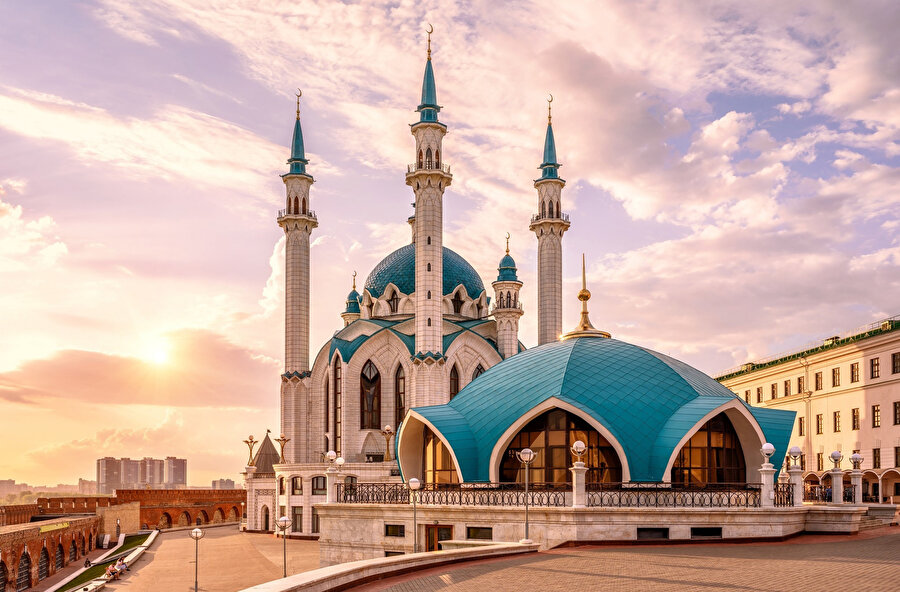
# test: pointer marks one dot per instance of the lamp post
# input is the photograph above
(251, 443)
(526, 456)
(414, 485)
(387, 431)
(241, 517)
(196, 534)
(283, 524)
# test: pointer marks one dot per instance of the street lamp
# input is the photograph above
(414, 486)
(241, 517)
(283, 524)
(196, 534)
(526, 456)
(836, 458)
(795, 452)
(387, 431)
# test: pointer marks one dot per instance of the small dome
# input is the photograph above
(399, 268)
(352, 302)
(507, 270)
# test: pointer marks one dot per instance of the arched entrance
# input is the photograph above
(60, 558)
(264, 521)
(550, 435)
(202, 517)
(218, 516)
(165, 521)
(712, 455)
(73, 551)
(23, 575)
(233, 514)
(43, 564)
(184, 519)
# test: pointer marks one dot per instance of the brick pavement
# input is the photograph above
(869, 562)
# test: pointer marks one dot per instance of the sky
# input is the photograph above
(732, 172)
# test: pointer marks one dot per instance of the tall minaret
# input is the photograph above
(298, 221)
(549, 224)
(428, 177)
(507, 308)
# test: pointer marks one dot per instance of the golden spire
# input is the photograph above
(354, 280)
(549, 115)
(584, 328)
(429, 31)
(299, 94)
(507, 243)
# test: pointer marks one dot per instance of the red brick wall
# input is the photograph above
(74, 505)
(17, 514)
(14, 540)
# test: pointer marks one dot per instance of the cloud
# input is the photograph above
(25, 244)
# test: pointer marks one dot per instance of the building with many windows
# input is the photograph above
(846, 393)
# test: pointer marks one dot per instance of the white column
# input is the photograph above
(579, 495)
(856, 483)
(767, 477)
(837, 486)
(331, 475)
(796, 474)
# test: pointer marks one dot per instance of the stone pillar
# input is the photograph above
(331, 476)
(767, 493)
(837, 486)
(796, 474)
(579, 495)
(856, 483)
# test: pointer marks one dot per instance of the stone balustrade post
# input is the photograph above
(837, 486)
(330, 483)
(767, 493)
(796, 474)
(856, 483)
(579, 495)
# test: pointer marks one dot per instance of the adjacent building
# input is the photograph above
(127, 473)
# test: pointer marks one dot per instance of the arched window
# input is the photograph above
(479, 370)
(712, 455)
(428, 241)
(429, 322)
(508, 300)
(399, 397)
(437, 463)
(23, 576)
(543, 210)
(429, 265)
(429, 164)
(336, 431)
(73, 552)
(550, 435)
(296, 486)
(437, 158)
(327, 406)
(369, 397)
(420, 160)
(303, 206)
(454, 382)
(429, 294)
(318, 485)
(281, 486)
(43, 564)
(394, 303)
(60, 558)
(296, 205)
(557, 209)
(349, 480)
(457, 303)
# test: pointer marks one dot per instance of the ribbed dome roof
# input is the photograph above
(507, 270)
(352, 302)
(399, 268)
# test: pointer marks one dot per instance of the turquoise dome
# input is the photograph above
(647, 400)
(507, 270)
(399, 268)
(352, 302)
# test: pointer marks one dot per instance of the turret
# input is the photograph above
(507, 308)
(351, 310)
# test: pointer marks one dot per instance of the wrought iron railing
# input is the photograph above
(821, 494)
(372, 493)
(428, 166)
(663, 495)
(561, 216)
(784, 495)
(455, 494)
(307, 213)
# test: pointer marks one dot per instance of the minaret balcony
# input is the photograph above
(540, 217)
(503, 307)
(286, 214)
(428, 166)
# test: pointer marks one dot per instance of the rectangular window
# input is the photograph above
(854, 418)
(802, 462)
(874, 368)
(820, 423)
(787, 388)
(773, 390)
(759, 394)
(876, 458)
(876, 416)
(481, 533)
(835, 377)
(315, 521)
(818, 381)
(319, 486)
(801, 385)
(895, 363)
(854, 372)
(896, 412)
(297, 519)
(282, 511)
(747, 397)
(837, 421)
(820, 461)
(801, 429)
(296, 486)
(394, 530)
(897, 456)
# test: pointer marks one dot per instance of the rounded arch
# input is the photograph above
(264, 518)
(23, 573)
(296, 205)
(233, 514)
(43, 564)
(218, 516)
(503, 442)
(303, 206)
(454, 381)
(184, 519)
(411, 437)
(202, 517)
(165, 521)
(73, 551)
(887, 472)
(59, 559)
(369, 396)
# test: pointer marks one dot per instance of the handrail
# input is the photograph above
(562, 216)
(428, 166)
(664, 495)
(307, 214)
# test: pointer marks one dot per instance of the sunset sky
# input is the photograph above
(732, 174)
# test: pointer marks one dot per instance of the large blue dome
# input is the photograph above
(399, 268)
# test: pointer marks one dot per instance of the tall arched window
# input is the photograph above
(437, 463)
(428, 161)
(399, 396)
(712, 455)
(429, 265)
(303, 206)
(296, 205)
(543, 210)
(369, 397)
(454, 382)
(508, 300)
(420, 159)
(327, 405)
(457, 303)
(336, 432)
(437, 158)
(557, 209)
(394, 303)
(479, 370)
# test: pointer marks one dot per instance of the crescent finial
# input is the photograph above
(298, 95)
(507, 243)
(354, 280)
(429, 30)
(549, 115)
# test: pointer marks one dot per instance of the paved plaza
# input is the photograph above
(869, 562)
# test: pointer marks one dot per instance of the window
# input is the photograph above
(350, 480)
(394, 530)
(896, 412)
(876, 458)
(874, 367)
(787, 388)
(759, 394)
(336, 433)
(479, 370)
(481, 533)
(801, 428)
(315, 521)
(897, 456)
(747, 397)
(801, 385)
(820, 461)
(802, 462)
(454, 381)
(428, 240)
(854, 372)
(318, 485)
(818, 381)
(428, 267)
(297, 519)
(457, 303)
(820, 421)
(281, 486)
(854, 418)
(438, 464)
(773, 390)
(836, 421)
(327, 404)
(835, 377)
(393, 303)
(282, 511)
(895, 363)
(399, 396)
(876, 416)
(296, 485)
(369, 397)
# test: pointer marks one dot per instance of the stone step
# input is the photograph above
(870, 523)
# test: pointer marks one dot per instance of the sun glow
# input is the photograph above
(156, 351)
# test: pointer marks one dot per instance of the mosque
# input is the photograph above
(427, 382)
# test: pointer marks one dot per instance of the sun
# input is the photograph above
(156, 351)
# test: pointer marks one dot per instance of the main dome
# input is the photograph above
(399, 268)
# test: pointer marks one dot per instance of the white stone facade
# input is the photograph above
(549, 225)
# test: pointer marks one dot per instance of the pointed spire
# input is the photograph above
(428, 108)
(298, 159)
(354, 281)
(584, 328)
(550, 165)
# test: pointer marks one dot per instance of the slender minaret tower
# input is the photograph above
(428, 177)
(507, 308)
(298, 222)
(549, 224)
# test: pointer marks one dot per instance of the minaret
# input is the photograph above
(298, 222)
(351, 311)
(507, 308)
(428, 176)
(549, 224)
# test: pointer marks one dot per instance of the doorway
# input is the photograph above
(434, 534)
